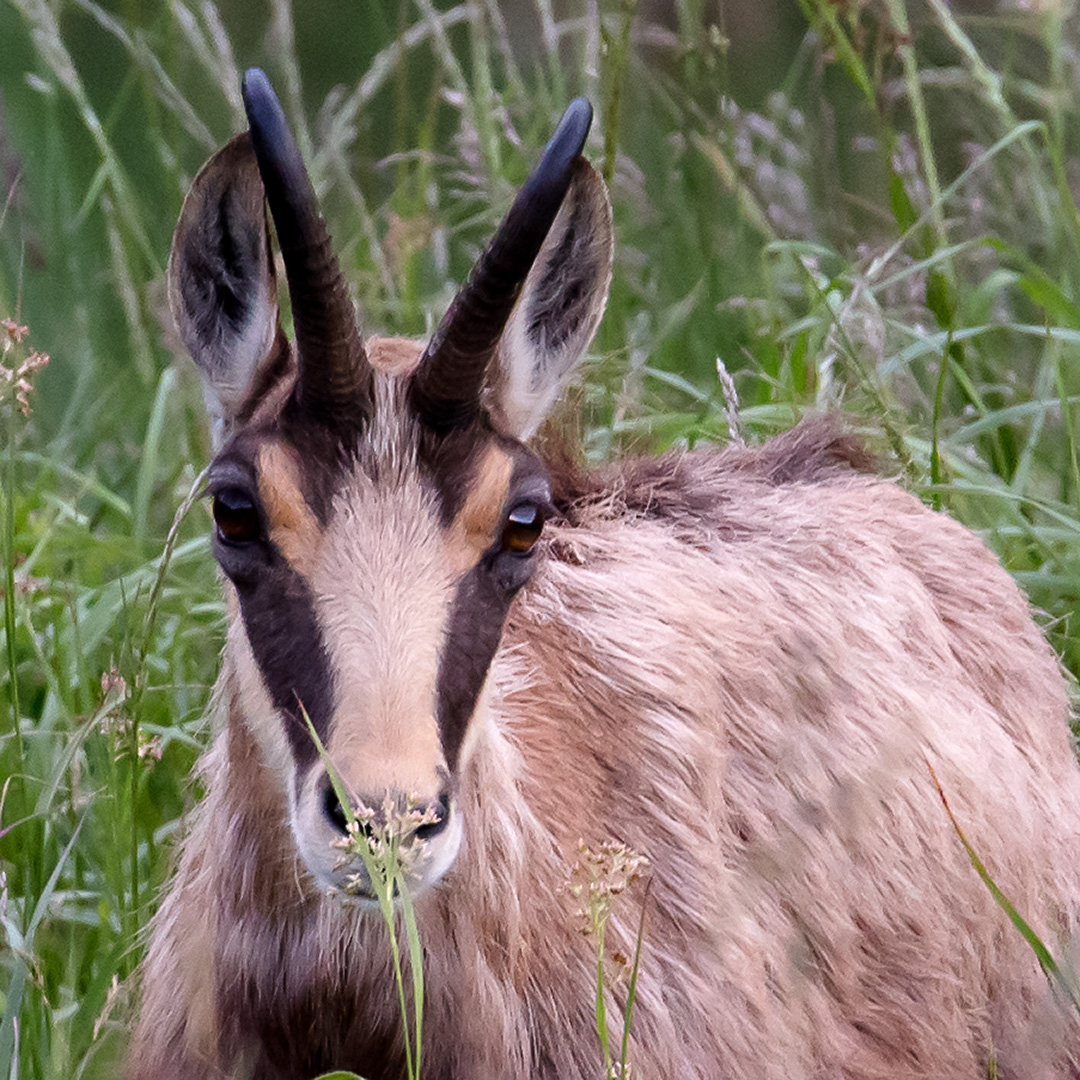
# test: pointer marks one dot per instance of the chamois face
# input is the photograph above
(375, 507)
(372, 580)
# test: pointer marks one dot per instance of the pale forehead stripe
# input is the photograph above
(382, 590)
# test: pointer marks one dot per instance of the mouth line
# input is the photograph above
(352, 876)
(359, 892)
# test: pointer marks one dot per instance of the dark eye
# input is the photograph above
(236, 516)
(523, 527)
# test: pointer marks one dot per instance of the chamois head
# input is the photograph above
(375, 507)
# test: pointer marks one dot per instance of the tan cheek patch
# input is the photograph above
(294, 530)
(479, 521)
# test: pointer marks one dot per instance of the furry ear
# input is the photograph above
(222, 285)
(558, 311)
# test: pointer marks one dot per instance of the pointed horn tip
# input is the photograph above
(552, 172)
(271, 136)
(573, 129)
(254, 77)
(260, 102)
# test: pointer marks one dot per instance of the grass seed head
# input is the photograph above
(597, 876)
(384, 839)
(18, 374)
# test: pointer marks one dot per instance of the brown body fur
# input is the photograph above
(812, 912)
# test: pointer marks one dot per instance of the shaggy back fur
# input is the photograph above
(743, 664)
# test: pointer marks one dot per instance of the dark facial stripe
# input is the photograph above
(485, 593)
(279, 616)
(449, 462)
(325, 457)
(473, 633)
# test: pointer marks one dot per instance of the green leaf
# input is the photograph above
(903, 211)
(941, 298)
(1049, 296)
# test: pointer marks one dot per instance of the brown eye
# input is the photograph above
(523, 527)
(236, 517)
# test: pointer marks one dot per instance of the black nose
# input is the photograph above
(438, 815)
(332, 808)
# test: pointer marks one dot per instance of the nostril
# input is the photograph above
(333, 810)
(438, 816)
(430, 829)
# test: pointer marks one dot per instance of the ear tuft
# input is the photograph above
(222, 285)
(559, 308)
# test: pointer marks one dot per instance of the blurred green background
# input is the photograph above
(863, 206)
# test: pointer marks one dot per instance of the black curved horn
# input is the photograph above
(334, 382)
(448, 381)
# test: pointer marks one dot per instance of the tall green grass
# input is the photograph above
(855, 209)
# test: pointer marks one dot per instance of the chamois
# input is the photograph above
(746, 664)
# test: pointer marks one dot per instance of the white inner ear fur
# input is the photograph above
(227, 379)
(222, 283)
(559, 308)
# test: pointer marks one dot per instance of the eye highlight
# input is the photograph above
(523, 526)
(236, 516)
